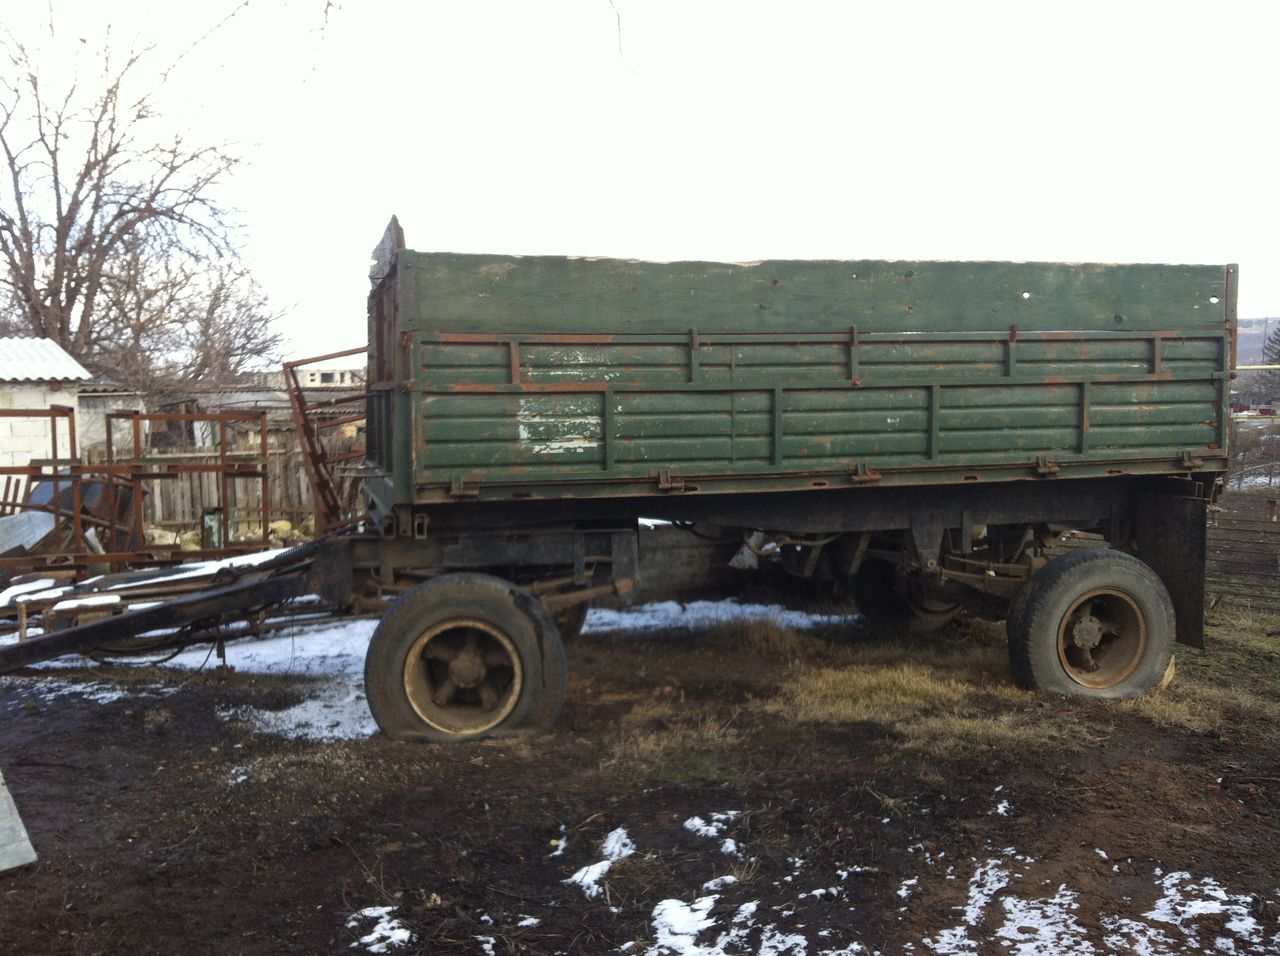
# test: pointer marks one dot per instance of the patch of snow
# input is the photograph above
(560, 843)
(988, 879)
(335, 708)
(672, 615)
(719, 883)
(1002, 809)
(529, 921)
(776, 943)
(486, 945)
(386, 932)
(676, 925)
(1185, 901)
(908, 887)
(616, 846)
(49, 690)
(1034, 927)
(10, 594)
(716, 825)
(820, 892)
(89, 600)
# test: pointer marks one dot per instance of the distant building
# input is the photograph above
(36, 374)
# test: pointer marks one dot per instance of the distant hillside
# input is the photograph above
(1253, 333)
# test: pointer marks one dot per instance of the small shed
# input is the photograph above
(35, 375)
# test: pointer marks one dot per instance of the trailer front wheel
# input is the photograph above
(462, 657)
(894, 600)
(1096, 623)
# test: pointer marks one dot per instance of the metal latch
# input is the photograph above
(864, 474)
(459, 487)
(1046, 467)
(670, 480)
(1190, 461)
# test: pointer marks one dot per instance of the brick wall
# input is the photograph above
(22, 439)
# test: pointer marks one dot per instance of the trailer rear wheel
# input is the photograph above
(891, 598)
(1096, 623)
(462, 657)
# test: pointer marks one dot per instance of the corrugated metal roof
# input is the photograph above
(38, 360)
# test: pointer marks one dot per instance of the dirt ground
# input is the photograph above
(882, 794)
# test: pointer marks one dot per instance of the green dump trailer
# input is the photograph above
(1040, 439)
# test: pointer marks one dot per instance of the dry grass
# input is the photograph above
(940, 697)
(1202, 706)
(669, 739)
(765, 637)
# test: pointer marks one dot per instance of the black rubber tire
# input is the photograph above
(1017, 607)
(515, 622)
(875, 589)
(1038, 621)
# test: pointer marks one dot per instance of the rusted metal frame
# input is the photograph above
(1010, 353)
(157, 557)
(801, 384)
(854, 372)
(234, 600)
(224, 489)
(335, 402)
(315, 359)
(513, 347)
(227, 467)
(607, 429)
(768, 480)
(1086, 401)
(193, 417)
(935, 426)
(1230, 294)
(34, 471)
(345, 456)
(178, 468)
(778, 399)
(323, 496)
(264, 491)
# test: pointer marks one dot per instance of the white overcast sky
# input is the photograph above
(669, 129)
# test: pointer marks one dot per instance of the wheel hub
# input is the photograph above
(1086, 633)
(1102, 638)
(463, 676)
(468, 669)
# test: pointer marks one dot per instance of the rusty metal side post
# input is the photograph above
(264, 450)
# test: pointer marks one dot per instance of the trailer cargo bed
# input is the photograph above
(513, 378)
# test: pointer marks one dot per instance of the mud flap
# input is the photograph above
(1171, 538)
(15, 847)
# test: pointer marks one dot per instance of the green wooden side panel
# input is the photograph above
(553, 377)
(469, 293)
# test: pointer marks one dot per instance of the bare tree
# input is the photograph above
(168, 320)
(111, 243)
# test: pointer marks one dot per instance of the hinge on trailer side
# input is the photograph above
(1046, 467)
(670, 480)
(1190, 462)
(864, 474)
(460, 487)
